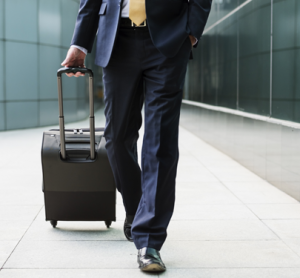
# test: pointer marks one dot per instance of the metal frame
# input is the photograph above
(61, 109)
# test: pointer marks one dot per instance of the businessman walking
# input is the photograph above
(143, 47)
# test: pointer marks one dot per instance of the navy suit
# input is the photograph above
(169, 23)
(143, 65)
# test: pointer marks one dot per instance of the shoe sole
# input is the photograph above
(153, 268)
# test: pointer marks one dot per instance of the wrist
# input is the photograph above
(80, 48)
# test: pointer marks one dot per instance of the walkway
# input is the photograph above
(227, 222)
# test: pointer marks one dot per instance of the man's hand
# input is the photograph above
(193, 40)
(75, 58)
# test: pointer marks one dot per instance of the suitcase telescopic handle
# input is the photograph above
(61, 109)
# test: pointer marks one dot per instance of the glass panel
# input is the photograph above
(254, 84)
(210, 49)
(48, 112)
(254, 31)
(297, 9)
(69, 83)
(49, 63)
(22, 114)
(21, 84)
(1, 70)
(227, 62)
(82, 109)
(284, 26)
(213, 16)
(254, 61)
(49, 22)
(225, 7)
(284, 79)
(286, 94)
(232, 61)
(212, 76)
(1, 19)
(2, 116)
(21, 20)
(70, 110)
(69, 14)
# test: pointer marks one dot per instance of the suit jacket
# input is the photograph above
(169, 23)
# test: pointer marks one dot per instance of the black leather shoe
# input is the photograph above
(127, 227)
(149, 260)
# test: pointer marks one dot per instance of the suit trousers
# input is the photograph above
(138, 74)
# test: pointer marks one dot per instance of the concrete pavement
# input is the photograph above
(227, 222)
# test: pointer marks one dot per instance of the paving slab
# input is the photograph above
(187, 177)
(265, 197)
(73, 273)
(212, 211)
(20, 195)
(19, 212)
(233, 273)
(6, 248)
(13, 230)
(74, 254)
(285, 228)
(276, 211)
(294, 244)
(231, 254)
(260, 186)
(203, 186)
(198, 196)
(241, 229)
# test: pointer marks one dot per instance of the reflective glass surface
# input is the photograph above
(21, 114)
(21, 86)
(241, 63)
(35, 36)
(2, 116)
(50, 22)
(1, 70)
(1, 19)
(21, 21)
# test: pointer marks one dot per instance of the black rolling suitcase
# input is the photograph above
(78, 182)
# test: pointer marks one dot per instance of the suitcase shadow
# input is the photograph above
(88, 234)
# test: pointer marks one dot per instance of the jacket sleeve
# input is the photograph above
(198, 14)
(86, 24)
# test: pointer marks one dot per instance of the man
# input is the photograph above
(143, 47)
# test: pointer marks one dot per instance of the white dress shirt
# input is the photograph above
(124, 13)
(125, 8)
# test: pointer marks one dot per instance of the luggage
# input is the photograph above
(78, 182)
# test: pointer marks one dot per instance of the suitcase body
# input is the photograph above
(78, 182)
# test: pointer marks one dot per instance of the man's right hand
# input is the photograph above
(75, 58)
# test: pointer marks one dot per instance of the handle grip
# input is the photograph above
(74, 70)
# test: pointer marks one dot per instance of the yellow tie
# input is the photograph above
(137, 11)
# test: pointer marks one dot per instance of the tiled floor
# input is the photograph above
(227, 222)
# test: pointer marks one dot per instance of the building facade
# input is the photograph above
(35, 36)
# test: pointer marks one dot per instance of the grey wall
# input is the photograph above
(269, 149)
(34, 38)
(250, 61)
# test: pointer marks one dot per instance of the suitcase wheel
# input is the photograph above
(53, 223)
(107, 223)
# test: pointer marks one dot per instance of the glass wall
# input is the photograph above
(249, 58)
(35, 36)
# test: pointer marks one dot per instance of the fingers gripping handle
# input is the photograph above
(61, 110)
(74, 70)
